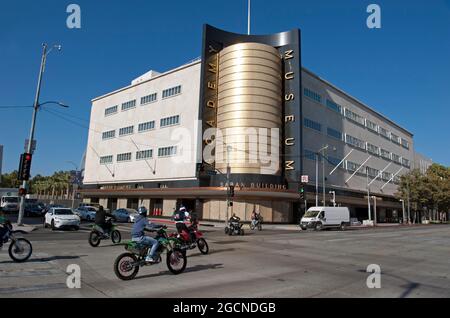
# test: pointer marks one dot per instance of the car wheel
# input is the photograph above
(76, 228)
(53, 225)
(319, 226)
(343, 227)
(129, 220)
(45, 225)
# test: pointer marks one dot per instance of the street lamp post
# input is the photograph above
(73, 184)
(334, 197)
(33, 122)
(317, 175)
(403, 211)
(228, 182)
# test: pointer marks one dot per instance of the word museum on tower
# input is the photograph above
(247, 106)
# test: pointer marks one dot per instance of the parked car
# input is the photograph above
(33, 210)
(319, 218)
(48, 207)
(10, 203)
(86, 213)
(355, 221)
(58, 218)
(125, 215)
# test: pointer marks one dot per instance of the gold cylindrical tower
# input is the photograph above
(249, 106)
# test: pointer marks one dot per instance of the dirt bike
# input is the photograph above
(192, 239)
(126, 265)
(234, 227)
(256, 223)
(20, 249)
(98, 234)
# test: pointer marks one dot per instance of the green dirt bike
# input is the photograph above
(126, 265)
(20, 249)
(97, 235)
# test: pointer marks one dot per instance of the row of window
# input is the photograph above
(356, 142)
(351, 167)
(142, 127)
(144, 100)
(140, 155)
(356, 118)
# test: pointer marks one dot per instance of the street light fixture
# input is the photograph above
(33, 120)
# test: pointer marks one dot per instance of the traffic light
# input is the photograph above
(25, 167)
(231, 191)
(22, 191)
(301, 191)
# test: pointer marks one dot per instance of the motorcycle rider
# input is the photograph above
(141, 225)
(255, 217)
(180, 216)
(100, 219)
(3, 227)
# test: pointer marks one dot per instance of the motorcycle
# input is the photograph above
(257, 223)
(234, 227)
(98, 234)
(126, 265)
(20, 249)
(189, 243)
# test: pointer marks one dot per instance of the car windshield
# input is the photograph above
(311, 214)
(63, 212)
(11, 199)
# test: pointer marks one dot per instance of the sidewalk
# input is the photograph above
(25, 228)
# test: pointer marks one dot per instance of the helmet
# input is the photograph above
(142, 211)
(182, 209)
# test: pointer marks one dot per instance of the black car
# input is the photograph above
(33, 210)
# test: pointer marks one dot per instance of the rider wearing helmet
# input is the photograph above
(180, 216)
(141, 225)
(100, 219)
(3, 228)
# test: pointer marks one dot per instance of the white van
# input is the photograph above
(319, 218)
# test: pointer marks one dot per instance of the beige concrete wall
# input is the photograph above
(121, 203)
(103, 202)
(145, 202)
(169, 207)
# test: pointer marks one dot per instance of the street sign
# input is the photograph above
(305, 179)
(33, 145)
(75, 177)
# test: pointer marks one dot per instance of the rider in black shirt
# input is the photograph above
(100, 219)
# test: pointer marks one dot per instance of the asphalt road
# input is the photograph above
(414, 262)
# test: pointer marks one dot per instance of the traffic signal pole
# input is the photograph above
(33, 124)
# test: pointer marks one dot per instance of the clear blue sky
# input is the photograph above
(401, 70)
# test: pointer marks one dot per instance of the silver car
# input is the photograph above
(125, 215)
(86, 213)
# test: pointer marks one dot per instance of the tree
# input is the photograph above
(9, 180)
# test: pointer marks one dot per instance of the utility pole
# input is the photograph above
(403, 211)
(323, 176)
(374, 210)
(249, 17)
(409, 206)
(334, 197)
(317, 179)
(368, 194)
(33, 123)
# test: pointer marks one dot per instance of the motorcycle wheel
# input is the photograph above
(227, 229)
(259, 227)
(203, 246)
(20, 250)
(252, 227)
(176, 261)
(116, 238)
(94, 239)
(123, 268)
(242, 232)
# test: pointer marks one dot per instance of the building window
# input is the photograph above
(406, 163)
(386, 176)
(129, 105)
(149, 99)
(171, 92)
(405, 143)
(396, 158)
(106, 160)
(126, 131)
(355, 142)
(313, 95)
(333, 106)
(109, 134)
(111, 110)
(124, 157)
(146, 126)
(383, 132)
(335, 161)
(167, 151)
(354, 117)
(144, 154)
(385, 154)
(352, 166)
(373, 149)
(312, 124)
(311, 155)
(334, 133)
(170, 121)
(371, 126)
(373, 173)
(395, 139)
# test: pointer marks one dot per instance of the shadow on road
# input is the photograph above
(213, 252)
(196, 268)
(47, 259)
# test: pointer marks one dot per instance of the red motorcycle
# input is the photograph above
(192, 239)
